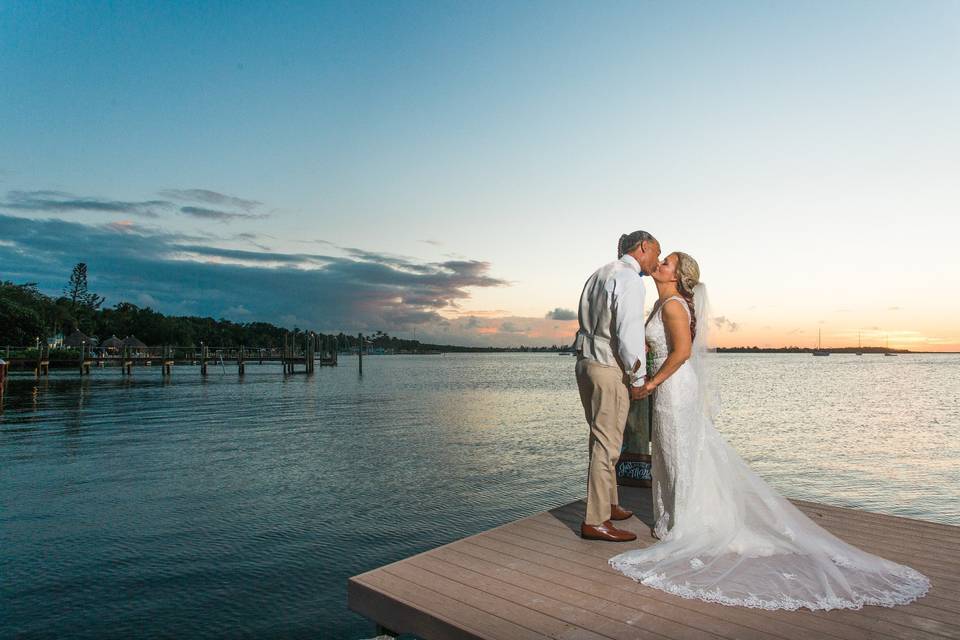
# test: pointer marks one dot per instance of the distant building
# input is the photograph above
(79, 338)
(132, 342)
(56, 341)
(113, 343)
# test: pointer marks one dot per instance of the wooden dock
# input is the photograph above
(536, 578)
(292, 357)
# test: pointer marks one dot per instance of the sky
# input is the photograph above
(455, 171)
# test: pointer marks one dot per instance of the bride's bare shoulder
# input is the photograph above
(675, 311)
(674, 307)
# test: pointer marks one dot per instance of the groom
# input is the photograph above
(611, 355)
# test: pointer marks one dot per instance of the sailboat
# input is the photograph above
(819, 351)
(859, 345)
(888, 352)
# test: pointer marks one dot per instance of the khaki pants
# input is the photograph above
(606, 401)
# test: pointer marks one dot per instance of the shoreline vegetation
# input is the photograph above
(29, 318)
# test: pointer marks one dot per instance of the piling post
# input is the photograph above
(360, 351)
(312, 354)
(203, 359)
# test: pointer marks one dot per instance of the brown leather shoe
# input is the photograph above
(619, 513)
(605, 531)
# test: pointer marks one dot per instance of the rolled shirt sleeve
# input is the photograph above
(627, 299)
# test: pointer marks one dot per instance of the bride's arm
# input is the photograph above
(676, 323)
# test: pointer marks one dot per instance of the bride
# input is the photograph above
(725, 535)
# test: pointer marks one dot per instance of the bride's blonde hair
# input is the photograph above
(688, 277)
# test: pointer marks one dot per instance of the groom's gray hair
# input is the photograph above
(630, 241)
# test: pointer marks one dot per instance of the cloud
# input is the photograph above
(361, 291)
(253, 239)
(561, 314)
(509, 326)
(220, 216)
(722, 323)
(236, 311)
(483, 328)
(209, 197)
(59, 202)
(146, 300)
(47, 201)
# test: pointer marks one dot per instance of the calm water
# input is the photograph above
(218, 507)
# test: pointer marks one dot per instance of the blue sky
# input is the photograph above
(461, 168)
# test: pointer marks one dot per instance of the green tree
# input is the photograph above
(82, 303)
(23, 313)
(78, 292)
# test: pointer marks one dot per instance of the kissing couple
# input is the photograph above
(724, 534)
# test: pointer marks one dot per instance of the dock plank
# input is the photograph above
(406, 607)
(536, 578)
(483, 596)
(582, 589)
(647, 619)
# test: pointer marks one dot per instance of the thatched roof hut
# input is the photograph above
(134, 342)
(77, 339)
(113, 342)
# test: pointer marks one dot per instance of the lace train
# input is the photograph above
(913, 586)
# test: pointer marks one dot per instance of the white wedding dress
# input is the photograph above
(725, 535)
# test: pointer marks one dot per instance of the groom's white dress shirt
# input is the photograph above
(611, 318)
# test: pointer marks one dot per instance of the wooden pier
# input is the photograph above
(295, 356)
(536, 578)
